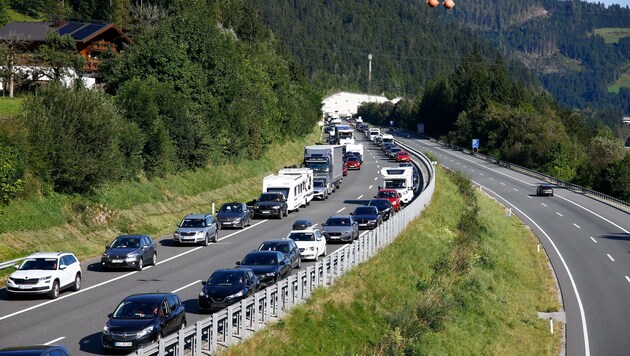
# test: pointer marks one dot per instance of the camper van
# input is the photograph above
(373, 132)
(292, 187)
(306, 174)
(401, 179)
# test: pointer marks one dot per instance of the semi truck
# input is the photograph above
(326, 161)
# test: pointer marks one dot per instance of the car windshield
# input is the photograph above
(47, 264)
(259, 259)
(387, 194)
(274, 246)
(318, 183)
(380, 204)
(302, 236)
(318, 167)
(395, 183)
(338, 222)
(225, 279)
(353, 159)
(135, 309)
(284, 191)
(365, 210)
(270, 197)
(126, 243)
(192, 223)
(231, 208)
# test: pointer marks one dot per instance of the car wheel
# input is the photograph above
(308, 203)
(54, 292)
(183, 326)
(242, 225)
(154, 259)
(77, 282)
(206, 240)
(317, 256)
(140, 264)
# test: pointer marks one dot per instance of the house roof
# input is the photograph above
(36, 31)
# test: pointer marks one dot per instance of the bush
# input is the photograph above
(11, 173)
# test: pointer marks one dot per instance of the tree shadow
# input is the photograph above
(356, 202)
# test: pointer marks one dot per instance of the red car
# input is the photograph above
(353, 163)
(344, 170)
(403, 156)
(392, 195)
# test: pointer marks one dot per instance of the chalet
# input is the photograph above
(92, 38)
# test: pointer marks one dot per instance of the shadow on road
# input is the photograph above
(91, 344)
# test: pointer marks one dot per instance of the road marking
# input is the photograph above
(559, 213)
(480, 174)
(55, 340)
(529, 196)
(377, 166)
(599, 216)
(464, 166)
(595, 241)
(609, 256)
(370, 187)
(628, 279)
(375, 178)
(502, 183)
(360, 196)
(491, 178)
(516, 190)
(472, 170)
(340, 210)
(186, 286)
(458, 163)
(576, 225)
(543, 204)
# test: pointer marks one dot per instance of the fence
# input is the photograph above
(240, 321)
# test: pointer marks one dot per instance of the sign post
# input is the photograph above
(475, 145)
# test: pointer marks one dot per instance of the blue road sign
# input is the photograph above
(391, 123)
(475, 143)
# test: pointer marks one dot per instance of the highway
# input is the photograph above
(76, 319)
(587, 241)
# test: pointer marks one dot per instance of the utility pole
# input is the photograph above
(370, 73)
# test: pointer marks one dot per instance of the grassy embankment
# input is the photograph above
(154, 207)
(612, 35)
(458, 281)
(9, 107)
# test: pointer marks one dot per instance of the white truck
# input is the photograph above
(401, 179)
(345, 134)
(306, 175)
(357, 147)
(326, 161)
(291, 187)
(373, 132)
(387, 138)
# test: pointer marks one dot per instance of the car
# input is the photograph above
(544, 189)
(368, 217)
(392, 151)
(392, 195)
(320, 189)
(269, 266)
(341, 228)
(311, 242)
(386, 146)
(35, 350)
(353, 162)
(225, 287)
(384, 207)
(141, 319)
(288, 247)
(271, 204)
(197, 229)
(403, 156)
(129, 251)
(45, 273)
(344, 170)
(234, 215)
(302, 224)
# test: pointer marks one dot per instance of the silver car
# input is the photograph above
(197, 229)
(341, 228)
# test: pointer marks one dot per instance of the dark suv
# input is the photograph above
(35, 350)
(544, 189)
(288, 247)
(271, 204)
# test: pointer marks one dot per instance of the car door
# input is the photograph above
(294, 252)
(177, 316)
(66, 272)
(320, 241)
(166, 319)
(145, 249)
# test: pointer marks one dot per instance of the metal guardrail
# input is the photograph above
(617, 203)
(240, 321)
(11, 263)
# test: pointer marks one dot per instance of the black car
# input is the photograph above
(384, 207)
(288, 247)
(544, 189)
(368, 217)
(141, 319)
(234, 215)
(269, 266)
(226, 287)
(302, 224)
(129, 251)
(271, 204)
(35, 350)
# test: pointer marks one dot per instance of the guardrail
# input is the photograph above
(8, 264)
(617, 203)
(240, 321)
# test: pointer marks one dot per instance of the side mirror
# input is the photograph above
(107, 247)
(238, 263)
(282, 263)
(110, 315)
(379, 187)
(375, 196)
(16, 266)
(62, 267)
(352, 213)
(203, 283)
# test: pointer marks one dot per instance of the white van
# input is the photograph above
(373, 132)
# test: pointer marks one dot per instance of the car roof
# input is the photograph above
(379, 200)
(232, 270)
(149, 296)
(305, 231)
(275, 241)
(387, 190)
(48, 254)
(340, 216)
(196, 216)
(364, 206)
(303, 221)
(264, 252)
(129, 236)
(30, 350)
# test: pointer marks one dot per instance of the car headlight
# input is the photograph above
(106, 330)
(275, 207)
(44, 279)
(312, 248)
(202, 293)
(237, 295)
(131, 257)
(270, 274)
(237, 219)
(105, 255)
(146, 331)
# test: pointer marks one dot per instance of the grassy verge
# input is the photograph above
(462, 279)
(151, 207)
(9, 107)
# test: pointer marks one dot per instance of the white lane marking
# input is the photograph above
(576, 225)
(559, 213)
(377, 166)
(531, 197)
(451, 160)
(458, 163)
(370, 187)
(628, 279)
(587, 350)
(375, 178)
(516, 190)
(186, 286)
(502, 183)
(360, 196)
(480, 174)
(376, 162)
(491, 178)
(340, 210)
(55, 340)
(239, 231)
(472, 170)
(599, 216)
(543, 204)
(609, 256)
(595, 241)
(464, 166)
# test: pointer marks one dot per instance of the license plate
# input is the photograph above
(25, 287)
(265, 211)
(123, 344)
(219, 305)
(334, 237)
(117, 261)
(363, 224)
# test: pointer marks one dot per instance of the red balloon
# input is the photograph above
(449, 4)
(432, 3)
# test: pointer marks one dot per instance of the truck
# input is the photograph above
(326, 161)
(401, 179)
(306, 180)
(358, 148)
(291, 186)
(344, 134)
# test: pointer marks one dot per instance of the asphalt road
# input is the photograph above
(76, 319)
(588, 243)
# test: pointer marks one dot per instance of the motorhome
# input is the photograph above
(345, 134)
(307, 176)
(387, 138)
(292, 187)
(401, 179)
(373, 132)
(356, 148)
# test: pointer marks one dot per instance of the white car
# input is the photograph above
(311, 243)
(45, 273)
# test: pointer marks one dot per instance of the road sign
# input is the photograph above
(475, 143)
(391, 123)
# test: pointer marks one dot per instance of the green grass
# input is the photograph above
(9, 107)
(400, 303)
(153, 207)
(612, 35)
(15, 16)
(624, 81)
